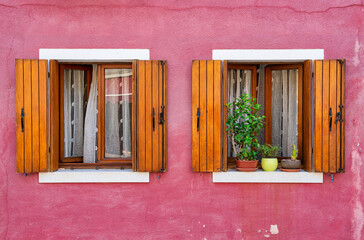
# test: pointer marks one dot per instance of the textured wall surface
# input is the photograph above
(182, 204)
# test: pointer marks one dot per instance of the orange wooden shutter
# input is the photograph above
(207, 117)
(31, 115)
(329, 108)
(150, 116)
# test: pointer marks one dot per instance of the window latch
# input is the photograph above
(330, 114)
(153, 114)
(22, 119)
(161, 115)
(198, 119)
(339, 115)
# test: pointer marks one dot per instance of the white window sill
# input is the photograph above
(260, 176)
(94, 176)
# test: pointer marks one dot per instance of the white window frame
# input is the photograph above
(267, 55)
(92, 175)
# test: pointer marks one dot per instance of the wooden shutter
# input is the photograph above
(31, 115)
(328, 116)
(149, 116)
(307, 115)
(207, 117)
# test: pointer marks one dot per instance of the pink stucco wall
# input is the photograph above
(182, 204)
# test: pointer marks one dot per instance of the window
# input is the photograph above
(90, 115)
(298, 108)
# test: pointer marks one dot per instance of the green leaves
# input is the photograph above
(243, 126)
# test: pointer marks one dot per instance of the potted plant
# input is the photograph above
(243, 125)
(293, 164)
(269, 160)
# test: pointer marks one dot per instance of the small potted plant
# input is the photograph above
(293, 164)
(269, 157)
(243, 126)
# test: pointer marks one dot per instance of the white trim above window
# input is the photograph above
(264, 55)
(92, 55)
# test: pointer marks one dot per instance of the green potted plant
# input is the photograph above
(293, 164)
(243, 125)
(269, 157)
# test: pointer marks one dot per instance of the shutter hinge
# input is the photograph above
(49, 149)
(49, 74)
(313, 74)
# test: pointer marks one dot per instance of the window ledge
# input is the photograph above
(260, 176)
(94, 176)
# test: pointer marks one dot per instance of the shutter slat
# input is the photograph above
(148, 117)
(207, 97)
(155, 106)
(217, 106)
(325, 115)
(329, 92)
(19, 84)
(333, 106)
(210, 116)
(28, 116)
(141, 117)
(35, 115)
(195, 106)
(318, 117)
(43, 107)
(203, 119)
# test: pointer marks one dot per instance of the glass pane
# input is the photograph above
(75, 97)
(239, 82)
(285, 110)
(118, 113)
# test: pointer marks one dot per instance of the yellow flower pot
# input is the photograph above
(269, 164)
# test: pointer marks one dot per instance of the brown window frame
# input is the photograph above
(102, 162)
(101, 113)
(62, 67)
(268, 103)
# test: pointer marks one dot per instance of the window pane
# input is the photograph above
(285, 110)
(75, 97)
(239, 82)
(118, 113)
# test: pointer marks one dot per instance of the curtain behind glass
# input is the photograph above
(75, 87)
(91, 124)
(239, 82)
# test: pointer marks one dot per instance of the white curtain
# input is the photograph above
(74, 97)
(285, 110)
(91, 124)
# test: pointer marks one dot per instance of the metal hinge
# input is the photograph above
(49, 149)
(313, 74)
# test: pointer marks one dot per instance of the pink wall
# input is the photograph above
(182, 204)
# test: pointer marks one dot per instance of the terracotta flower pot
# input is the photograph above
(250, 165)
(289, 164)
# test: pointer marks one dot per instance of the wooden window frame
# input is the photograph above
(101, 114)
(62, 67)
(102, 163)
(268, 103)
